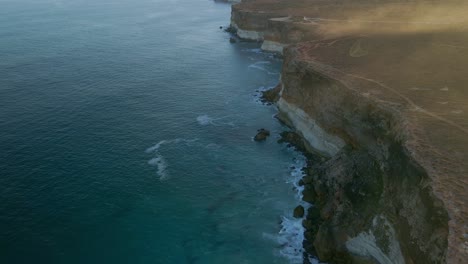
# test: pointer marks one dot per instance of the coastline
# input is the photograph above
(378, 195)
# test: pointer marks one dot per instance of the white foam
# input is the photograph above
(291, 235)
(296, 173)
(314, 260)
(258, 66)
(205, 120)
(256, 50)
(156, 147)
(290, 238)
(159, 161)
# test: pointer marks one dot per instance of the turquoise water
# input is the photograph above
(126, 132)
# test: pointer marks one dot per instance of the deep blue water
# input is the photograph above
(126, 137)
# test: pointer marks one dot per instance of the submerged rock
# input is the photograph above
(262, 134)
(298, 211)
(232, 40)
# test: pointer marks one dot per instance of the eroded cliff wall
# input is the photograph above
(375, 201)
(379, 89)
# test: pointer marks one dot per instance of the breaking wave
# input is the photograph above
(291, 235)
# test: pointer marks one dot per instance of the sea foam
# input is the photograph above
(159, 161)
(260, 65)
(205, 120)
(291, 235)
(290, 238)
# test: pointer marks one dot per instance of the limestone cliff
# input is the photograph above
(384, 98)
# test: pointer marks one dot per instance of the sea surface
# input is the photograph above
(126, 137)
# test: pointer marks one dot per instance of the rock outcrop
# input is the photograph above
(262, 135)
(378, 91)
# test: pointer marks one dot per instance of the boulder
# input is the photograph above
(308, 194)
(262, 135)
(298, 211)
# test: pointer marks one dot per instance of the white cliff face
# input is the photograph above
(248, 34)
(273, 46)
(379, 243)
(309, 129)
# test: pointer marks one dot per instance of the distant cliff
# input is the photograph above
(378, 89)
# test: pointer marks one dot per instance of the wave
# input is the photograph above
(205, 120)
(159, 161)
(291, 235)
(258, 66)
(255, 50)
(296, 174)
(290, 238)
(258, 95)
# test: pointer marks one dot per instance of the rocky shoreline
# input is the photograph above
(383, 188)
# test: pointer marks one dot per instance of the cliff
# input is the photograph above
(379, 89)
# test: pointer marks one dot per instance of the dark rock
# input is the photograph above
(307, 179)
(271, 95)
(301, 182)
(321, 189)
(309, 235)
(298, 211)
(231, 30)
(294, 139)
(308, 224)
(220, 27)
(313, 214)
(328, 210)
(262, 135)
(232, 40)
(306, 258)
(324, 243)
(308, 194)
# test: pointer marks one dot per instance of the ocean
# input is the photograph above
(126, 131)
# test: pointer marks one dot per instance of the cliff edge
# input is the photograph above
(380, 89)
